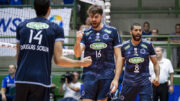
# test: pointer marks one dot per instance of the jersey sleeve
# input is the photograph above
(59, 33)
(83, 40)
(122, 52)
(4, 83)
(171, 70)
(64, 87)
(151, 50)
(117, 39)
(17, 34)
(79, 85)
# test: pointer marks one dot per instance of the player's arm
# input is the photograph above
(17, 50)
(156, 70)
(78, 48)
(3, 93)
(118, 70)
(60, 60)
(3, 89)
(171, 88)
(61, 90)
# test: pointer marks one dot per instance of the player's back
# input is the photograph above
(36, 37)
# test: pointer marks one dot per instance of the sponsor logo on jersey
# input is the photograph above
(98, 46)
(144, 46)
(37, 25)
(128, 46)
(87, 33)
(107, 31)
(136, 60)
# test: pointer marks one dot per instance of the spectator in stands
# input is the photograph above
(146, 27)
(8, 85)
(177, 32)
(166, 70)
(68, 1)
(15, 2)
(155, 32)
(3, 2)
(86, 26)
(72, 89)
(175, 50)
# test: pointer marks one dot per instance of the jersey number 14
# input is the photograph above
(38, 36)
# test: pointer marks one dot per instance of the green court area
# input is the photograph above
(57, 76)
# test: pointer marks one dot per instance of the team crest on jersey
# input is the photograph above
(105, 36)
(37, 25)
(128, 52)
(98, 46)
(142, 51)
(136, 60)
(121, 97)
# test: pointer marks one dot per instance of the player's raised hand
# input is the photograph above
(156, 81)
(114, 86)
(87, 61)
(79, 35)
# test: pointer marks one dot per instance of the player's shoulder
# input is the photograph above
(126, 44)
(23, 24)
(6, 77)
(109, 28)
(166, 60)
(87, 31)
(55, 26)
(146, 42)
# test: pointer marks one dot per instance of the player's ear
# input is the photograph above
(49, 11)
(102, 16)
(130, 32)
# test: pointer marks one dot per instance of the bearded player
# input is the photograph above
(136, 53)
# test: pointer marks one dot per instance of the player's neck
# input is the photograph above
(135, 43)
(159, 58)
(12, 75)
(99, 27)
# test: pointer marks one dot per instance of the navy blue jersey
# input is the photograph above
(100, 46)
(144, 33)
(36, 37)
(137, 62)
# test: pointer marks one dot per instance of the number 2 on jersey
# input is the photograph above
(38, 36)
(98, 54)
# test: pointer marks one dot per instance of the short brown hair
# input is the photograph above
(94, 9)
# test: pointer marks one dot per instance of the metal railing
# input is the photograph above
(140, 10)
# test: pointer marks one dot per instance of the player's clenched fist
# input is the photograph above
(79, 35)
(156, 82)
(87, 61)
